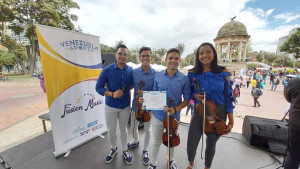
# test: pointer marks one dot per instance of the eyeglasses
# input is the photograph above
(145, 56)
(4, 164)
(124, 54)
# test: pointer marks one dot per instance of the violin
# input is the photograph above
(141, 115)
(208, 109)
(170, 136)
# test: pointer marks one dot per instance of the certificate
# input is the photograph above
(154, 100)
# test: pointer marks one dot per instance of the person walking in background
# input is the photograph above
(253, 84)
(276, 81)
(248, 80)
(114, 83)
(292, 95)
(144, 74)
(264, 76)
(190, 106)
(271, 77)
(256, 93)
(237, 82)
(215, 82)
(261, 84)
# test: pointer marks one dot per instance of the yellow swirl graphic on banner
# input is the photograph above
(56, 72)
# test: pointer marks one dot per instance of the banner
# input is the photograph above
(72, 63)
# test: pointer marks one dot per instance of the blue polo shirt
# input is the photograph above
(216, 87)
(112, 78)
(138, 74)
(176, 86)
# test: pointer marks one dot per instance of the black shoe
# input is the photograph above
(253, 106)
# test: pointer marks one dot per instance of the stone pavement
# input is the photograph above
(29, 126)
(20, 124)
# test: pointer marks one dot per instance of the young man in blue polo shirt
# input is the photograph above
(145, 73)
(177, 85)
(114, 83)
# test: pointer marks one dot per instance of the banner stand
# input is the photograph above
(72, 64)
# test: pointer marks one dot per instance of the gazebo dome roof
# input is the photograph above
(232, 28)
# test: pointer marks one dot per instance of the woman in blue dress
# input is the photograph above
(214, 80)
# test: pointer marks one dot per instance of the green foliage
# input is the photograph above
(6, 14)
(269, 58)
(132, 58)
(292, 45)
(297, 64)
(7, 58)
(251, 65)
(17, 49)
(283, 61)
(105, 49)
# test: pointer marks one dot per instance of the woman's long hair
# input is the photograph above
(215, 68)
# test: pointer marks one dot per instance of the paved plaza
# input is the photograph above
(20, 123)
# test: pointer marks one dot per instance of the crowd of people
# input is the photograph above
(216, 86)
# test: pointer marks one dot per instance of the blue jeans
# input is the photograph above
(274, 86)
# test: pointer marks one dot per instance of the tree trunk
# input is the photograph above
(31, 53)
(20, 61)
(2, 33)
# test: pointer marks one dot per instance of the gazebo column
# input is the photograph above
(240, 52)
(220, 52)
(217, 50)
(245, 52)
(228, 51)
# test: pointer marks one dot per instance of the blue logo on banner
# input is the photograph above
(92, 123)
(79, 45)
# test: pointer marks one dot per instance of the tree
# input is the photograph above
(7, 59)
(270, 58)
(180, 47)
(283, 61)
(105, 49)
(46, 12)
(260, 56)
(6, 14)
(161, 52)
(118, 43)
(18, 50)
(292, 45)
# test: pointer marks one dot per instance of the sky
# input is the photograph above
(165, 23)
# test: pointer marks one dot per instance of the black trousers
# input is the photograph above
(256, 101)
(292, 160)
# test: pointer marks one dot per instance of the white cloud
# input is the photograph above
(166, 23)
(287, 17)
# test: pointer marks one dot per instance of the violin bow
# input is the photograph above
(203, 123)
(169, 105)
(204, 104)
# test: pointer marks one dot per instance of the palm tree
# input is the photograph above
(117, 43)
(161, 52)
(180, 47)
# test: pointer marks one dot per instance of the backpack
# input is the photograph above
(259, 92)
